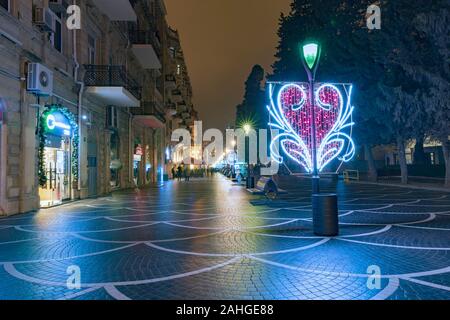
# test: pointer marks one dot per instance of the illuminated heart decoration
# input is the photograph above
(292, 114)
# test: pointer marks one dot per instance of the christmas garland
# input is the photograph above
(42, 137)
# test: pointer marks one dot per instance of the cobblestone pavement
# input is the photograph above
(210, 239)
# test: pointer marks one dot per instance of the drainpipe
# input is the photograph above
(130, 140)
(80, 98)
(130, 123)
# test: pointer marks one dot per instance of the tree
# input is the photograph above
(252, 109)
(400, 72)
(347, 57)
(435, 74)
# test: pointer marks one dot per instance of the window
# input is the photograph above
(173, 52)
(112, 120)
(5, 4)
(178, 69)
(56, 36)
(91, 50)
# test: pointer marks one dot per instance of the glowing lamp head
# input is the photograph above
(311, 54)
(247, 128)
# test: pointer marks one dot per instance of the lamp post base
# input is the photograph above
(315, 185)
(325, 215)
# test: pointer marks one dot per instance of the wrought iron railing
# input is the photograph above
(170, 78)
(176, 92)
(146, 37)
(111, 76)
(150, 108)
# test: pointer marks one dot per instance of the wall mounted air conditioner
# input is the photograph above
(44, 19)
(40, 79)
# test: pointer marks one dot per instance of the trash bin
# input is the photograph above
(325, 215)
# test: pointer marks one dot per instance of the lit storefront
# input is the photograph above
(58, 153)
(137, 159)
(116, 164)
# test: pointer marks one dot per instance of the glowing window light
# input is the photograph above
(310, 54)
(291, 113)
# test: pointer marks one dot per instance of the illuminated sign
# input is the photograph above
(56, 123)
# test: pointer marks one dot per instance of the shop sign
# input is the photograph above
(56, 123)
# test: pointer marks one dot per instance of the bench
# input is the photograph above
(266, 186)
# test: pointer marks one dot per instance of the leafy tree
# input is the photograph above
(252, 109)
(400, 72)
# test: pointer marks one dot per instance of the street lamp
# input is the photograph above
(247, 129)
(311, 52)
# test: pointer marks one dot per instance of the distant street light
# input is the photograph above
(247, 129)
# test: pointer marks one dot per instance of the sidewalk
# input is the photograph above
(422, 183)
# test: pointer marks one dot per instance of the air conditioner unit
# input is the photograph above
(40, 79)
(44, 19)
(58, 6)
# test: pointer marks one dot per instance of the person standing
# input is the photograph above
(179, 172)
(173, 173)
(187, 173)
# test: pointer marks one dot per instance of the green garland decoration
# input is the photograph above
(42, 136)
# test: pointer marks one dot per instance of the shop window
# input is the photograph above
(5, 4)
(116, 164)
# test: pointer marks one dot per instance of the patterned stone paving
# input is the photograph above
(210, 239)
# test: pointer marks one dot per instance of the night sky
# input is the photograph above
(222, 40)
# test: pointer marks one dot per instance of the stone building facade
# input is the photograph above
(82, 112)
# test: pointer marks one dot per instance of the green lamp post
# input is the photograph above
(311, 52)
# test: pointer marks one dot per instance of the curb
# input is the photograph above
(447, 190)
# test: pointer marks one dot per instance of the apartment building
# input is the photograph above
(179, 93)
(83, 112)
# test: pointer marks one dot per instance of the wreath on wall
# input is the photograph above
(42, 137)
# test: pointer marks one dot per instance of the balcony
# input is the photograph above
(172, 108)
(112, 85)
(117, 10)
(171, 82)
(150, 115)
(176, 95)
(182, 107)
(186, 115)
(146, 47)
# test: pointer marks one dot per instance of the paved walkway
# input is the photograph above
(209, 239)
